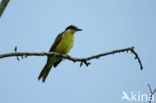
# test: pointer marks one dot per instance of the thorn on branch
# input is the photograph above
(15, 49)
(22, 57)
(25, 56)
(97, 57)
(17, 58)
(87, 63)
(81, 64)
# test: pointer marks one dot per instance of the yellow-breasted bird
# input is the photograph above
(62, 44)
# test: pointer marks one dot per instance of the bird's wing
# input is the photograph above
(51, 60)
(56, 42)
(56, 63)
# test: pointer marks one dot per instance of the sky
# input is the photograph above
(33, 25)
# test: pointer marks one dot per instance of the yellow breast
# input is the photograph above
(66, 43)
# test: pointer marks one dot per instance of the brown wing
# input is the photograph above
(57, 40)
(55, 65)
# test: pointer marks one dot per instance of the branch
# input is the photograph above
(152, 93)
(3, 5)
(82, 60)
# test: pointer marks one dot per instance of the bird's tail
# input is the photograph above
(45, 71)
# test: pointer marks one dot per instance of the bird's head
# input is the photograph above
(73, 29)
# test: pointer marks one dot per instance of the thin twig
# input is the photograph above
(3, 5)
(152, 93)
(82, 60)
(150, 88)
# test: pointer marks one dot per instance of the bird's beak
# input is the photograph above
(79, 29)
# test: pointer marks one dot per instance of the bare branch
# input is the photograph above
(151, 93)
(150, 88)
(82, 60)
(3, 5)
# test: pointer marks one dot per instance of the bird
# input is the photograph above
(62, 44)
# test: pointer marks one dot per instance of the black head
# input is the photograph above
(73, 28)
